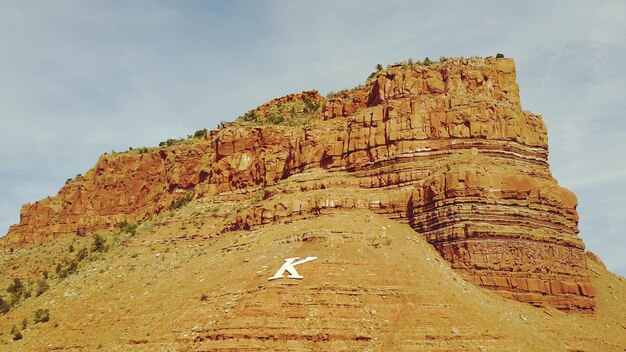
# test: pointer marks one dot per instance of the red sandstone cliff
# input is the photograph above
(446, 148)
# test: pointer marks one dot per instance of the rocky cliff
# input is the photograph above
(445, 148)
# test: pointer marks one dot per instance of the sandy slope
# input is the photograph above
(376, 285)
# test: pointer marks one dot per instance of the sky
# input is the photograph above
(80, 78)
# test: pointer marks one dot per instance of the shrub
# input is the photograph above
(17, 335)
(249, 116)
(71, 268)
(98, 243)
(310, 105)
(42, 315)
(427, 62)
(180, 202)
(16, 287)
(128, 227)
(200, 133)
(167, 143)
(42, 286)
(204, 297)
(499, 56)
(276, 119)
(379, 67)
(24, 323)
(64, 271)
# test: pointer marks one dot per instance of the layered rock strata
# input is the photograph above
(446, 148)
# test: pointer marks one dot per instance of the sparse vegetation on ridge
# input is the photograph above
(180, 202)
(294, 111)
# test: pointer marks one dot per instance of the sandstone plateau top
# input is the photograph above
(423, 161)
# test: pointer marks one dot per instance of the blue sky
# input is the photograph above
(80, 78)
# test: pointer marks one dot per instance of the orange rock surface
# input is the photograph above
(446, 148)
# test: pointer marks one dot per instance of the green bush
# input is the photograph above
(16, 287)
(276, 119)
(200, 133)
(42, 315)
(310, 105)
(249, 116)
(167, 143)
(65, 269)
(129, 227)
(180, 202)
(98, 243)
(42, 286)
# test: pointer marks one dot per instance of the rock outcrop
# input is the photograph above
(446, 148)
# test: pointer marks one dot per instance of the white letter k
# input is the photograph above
(289, 265)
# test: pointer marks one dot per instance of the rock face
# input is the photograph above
(446, 148)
